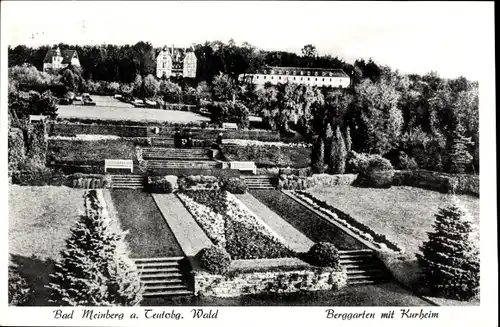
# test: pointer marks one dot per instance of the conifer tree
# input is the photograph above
(459, 157)
(348, 140)
(339, 154)
(450, 258)
(95, 269)
(328, 141)
(318, 156)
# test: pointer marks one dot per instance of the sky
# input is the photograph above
(413, 37)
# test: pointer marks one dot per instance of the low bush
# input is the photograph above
(215, 260)
(198, 182)
(357, 162)
(39, 176)
(20, 293)
(157, 184)
(194, 171)
(324, 254)
(379, 172)
(234, 185)
(403, 267)
(79, 180)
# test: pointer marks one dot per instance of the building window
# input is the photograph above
(308, 78)
(316, 79)
(272, 77)
(301, 78)
(323, 79)
(264, 77)
(256, 77)
(294, 78)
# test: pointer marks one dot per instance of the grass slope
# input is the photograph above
(269, 156)
(404, 214)
(149, 234)
(127, 113)
(40, 219)
(89, 151)
(304, 220)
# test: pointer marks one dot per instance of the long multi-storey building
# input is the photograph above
(336, 78)
(176, 62)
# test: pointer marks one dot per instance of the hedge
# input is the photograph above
(73, 129)
(437, 181)
(194, 171)
(269, 156)
(324, 254)
(294, 182)
(214, 259)
(46, 176)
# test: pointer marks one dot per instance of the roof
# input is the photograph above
(306, 71)
(66, 54)
(177, 54)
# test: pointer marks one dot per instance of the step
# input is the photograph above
(136, 260)
(168, 275)
(341, 252)
(157, 264)
(163, 270)
(162, 281)
(169, 293)
(360, 266)
(356, 274)
(166, 287)
(363, 282)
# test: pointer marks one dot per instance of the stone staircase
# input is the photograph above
(158, 164)
(363, 267)
(259, 182)
(162, 142)
(155, 153)
(127, 181)
(162, 277)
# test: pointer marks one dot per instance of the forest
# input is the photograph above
(416, 121)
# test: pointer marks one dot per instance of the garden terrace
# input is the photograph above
(403, 214)
(180, 164)
(175, 154)
(149, 235)
(269, 156)
(306, 221)
(107, 113)
(85, 152)
(70, 129)
(229, 223)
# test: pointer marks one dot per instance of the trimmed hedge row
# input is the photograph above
(371, 235)
(118, 130)
(436, 181)
(269, 156)
(44, 177)
(293, 182)
(194, 171)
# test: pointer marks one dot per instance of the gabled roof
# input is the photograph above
(66, 54)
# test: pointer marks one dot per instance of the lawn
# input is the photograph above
(269, 156)
(311, 225)
(389, 294)
(78, 151)
(149, 235)
(40, 219)
(127, 113)
(404, 214)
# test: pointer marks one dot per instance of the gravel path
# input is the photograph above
(188, 233)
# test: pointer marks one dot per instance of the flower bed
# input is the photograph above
(229, 223)
(243, 142)
(269, 156)
(359, 228)
(294, 182)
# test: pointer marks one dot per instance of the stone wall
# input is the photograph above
(242, 283)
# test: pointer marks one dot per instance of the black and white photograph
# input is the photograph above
(176, 161)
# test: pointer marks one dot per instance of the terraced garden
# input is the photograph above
(404, 214)
(304, 220)
(149, 235)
